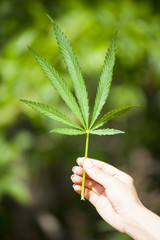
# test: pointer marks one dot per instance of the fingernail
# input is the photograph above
(73, 185)
(73, 169)
(72, 176)
(77, 160)
(88, 163)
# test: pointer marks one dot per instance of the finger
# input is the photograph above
(88, 194)
(98, 174)
(78, 170)
(108, 169)
(90, 184)
(101, 203)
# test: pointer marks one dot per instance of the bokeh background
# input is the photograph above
(37, 201)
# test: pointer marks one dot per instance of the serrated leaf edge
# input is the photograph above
(110, 115)
(51, 112)
(74, 71)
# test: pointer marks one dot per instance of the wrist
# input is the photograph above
(142, 224)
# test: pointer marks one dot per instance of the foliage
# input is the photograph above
(81, 93)
(80, 89)
(12, 175)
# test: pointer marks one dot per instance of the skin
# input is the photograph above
(113, 194)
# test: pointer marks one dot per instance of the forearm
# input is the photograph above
(143, 224)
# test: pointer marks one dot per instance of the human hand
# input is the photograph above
(110, 190)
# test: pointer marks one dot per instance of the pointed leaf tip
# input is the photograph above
(50, 18)
(35, 54)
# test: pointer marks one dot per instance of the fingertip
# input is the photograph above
(72, 176)
(80, 160)
(73, 168)
(77, 160)
(77, 188)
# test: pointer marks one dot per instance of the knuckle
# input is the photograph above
(89, 184)
(130, 180)
(87, 193)
(95, 171)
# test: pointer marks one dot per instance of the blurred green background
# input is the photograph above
(36, 196)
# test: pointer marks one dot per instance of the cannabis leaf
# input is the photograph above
(68, 131)
(78, 104)
(112, 114)
(107, 131)
(74, 71)
(51, 113)
(60, 86)
(105, 81)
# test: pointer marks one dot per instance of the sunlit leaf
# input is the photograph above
(112, 114)
(107, 131)
(74, 71)
(51, 112)
(68, 131)
(105, 81)
(60, 85)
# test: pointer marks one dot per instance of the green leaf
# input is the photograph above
(74, 71)
(67, 131)
(112, 114)
(105, 81)
(60, 85)
(51, 113)
(107, 131)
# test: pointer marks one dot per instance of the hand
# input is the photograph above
(114, 196)
(110, 190)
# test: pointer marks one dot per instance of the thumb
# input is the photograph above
(97, 174)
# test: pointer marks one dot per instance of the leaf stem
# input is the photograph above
(84, 174)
